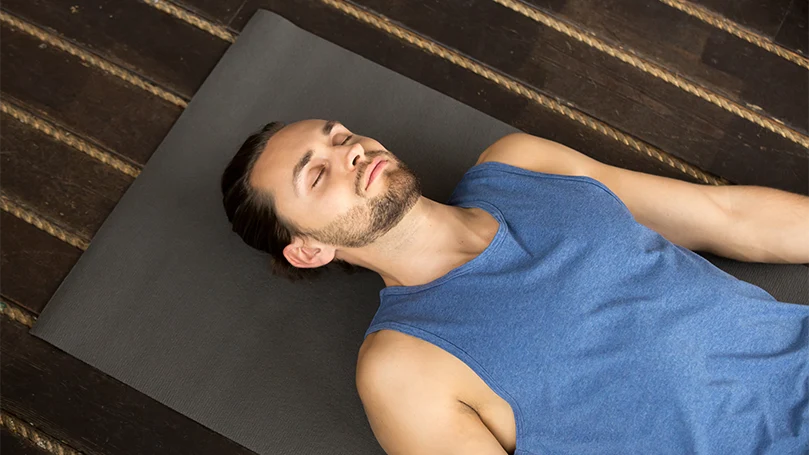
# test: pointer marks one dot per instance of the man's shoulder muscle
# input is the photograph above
(390, 357)
(537, 154)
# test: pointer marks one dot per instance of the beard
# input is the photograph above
(367, 222)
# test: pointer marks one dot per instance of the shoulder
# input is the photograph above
(387, 350)
(394, 359)
(537, 154)
(398, 370)
(380, 352)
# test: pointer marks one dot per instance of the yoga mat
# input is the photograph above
(171, 302)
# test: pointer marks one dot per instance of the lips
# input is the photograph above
(372, 168)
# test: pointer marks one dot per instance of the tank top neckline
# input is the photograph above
(463, 268)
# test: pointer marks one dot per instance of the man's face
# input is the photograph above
(318, 172)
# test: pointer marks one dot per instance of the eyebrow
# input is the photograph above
(296, 172)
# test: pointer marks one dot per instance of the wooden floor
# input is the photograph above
(711, 92)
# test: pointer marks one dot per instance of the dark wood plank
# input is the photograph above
(456, 82)
(778, 86)
(106, 27)
(91, 411)
(11, 444)
(218, 11)
(57, 181)
(88, 101)
(607, 89)
(763, 16)
(651, 28)
(749, 161)
(32, 263)
(688, 46)
(794, 32)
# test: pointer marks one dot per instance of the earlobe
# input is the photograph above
(305, 257)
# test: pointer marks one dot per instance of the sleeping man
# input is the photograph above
(553, 305)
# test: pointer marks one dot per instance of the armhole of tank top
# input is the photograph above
(504, 167)
(467, 359)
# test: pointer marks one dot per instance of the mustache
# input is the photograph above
(370, 155)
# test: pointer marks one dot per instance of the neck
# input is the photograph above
(427, 243)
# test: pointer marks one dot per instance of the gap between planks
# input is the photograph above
(20, 428)
(717, 20)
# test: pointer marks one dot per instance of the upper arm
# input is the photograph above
(691, 215)
(411, 412)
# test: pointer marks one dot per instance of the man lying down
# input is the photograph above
(552, 306)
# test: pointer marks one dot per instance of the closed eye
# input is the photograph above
(323, 168)
(318, 175)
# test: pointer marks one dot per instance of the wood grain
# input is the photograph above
(57, 181)
(690, 47)
(32, 263)
(763, 16)
(219, 11)
(773, 85)
(794, 32)
(86, 100)
(106, 27)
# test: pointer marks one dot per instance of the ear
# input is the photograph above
(307, 255)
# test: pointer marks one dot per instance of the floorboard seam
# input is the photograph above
(24, 213)
(16, 313)
(192, 19)
(18, 427)
(67, 138)
(87, 57)
(717, 20)
(633, 59)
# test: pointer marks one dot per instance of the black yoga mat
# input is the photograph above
(168, 300)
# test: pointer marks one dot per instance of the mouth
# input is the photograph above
(374, 169)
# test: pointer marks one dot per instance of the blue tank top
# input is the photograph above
(603, 336)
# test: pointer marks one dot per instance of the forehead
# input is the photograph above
(283, 151)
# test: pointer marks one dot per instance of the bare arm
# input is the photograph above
(411, 413)
(767, 225)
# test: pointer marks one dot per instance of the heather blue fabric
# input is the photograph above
(603, 336)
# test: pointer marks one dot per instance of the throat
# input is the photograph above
(474, 232)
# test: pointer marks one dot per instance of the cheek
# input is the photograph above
(337, 199)
(331, 203)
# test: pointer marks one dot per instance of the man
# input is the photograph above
(554, 304)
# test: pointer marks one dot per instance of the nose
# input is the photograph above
(355, 155)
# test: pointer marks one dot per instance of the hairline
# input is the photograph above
(262, 195)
